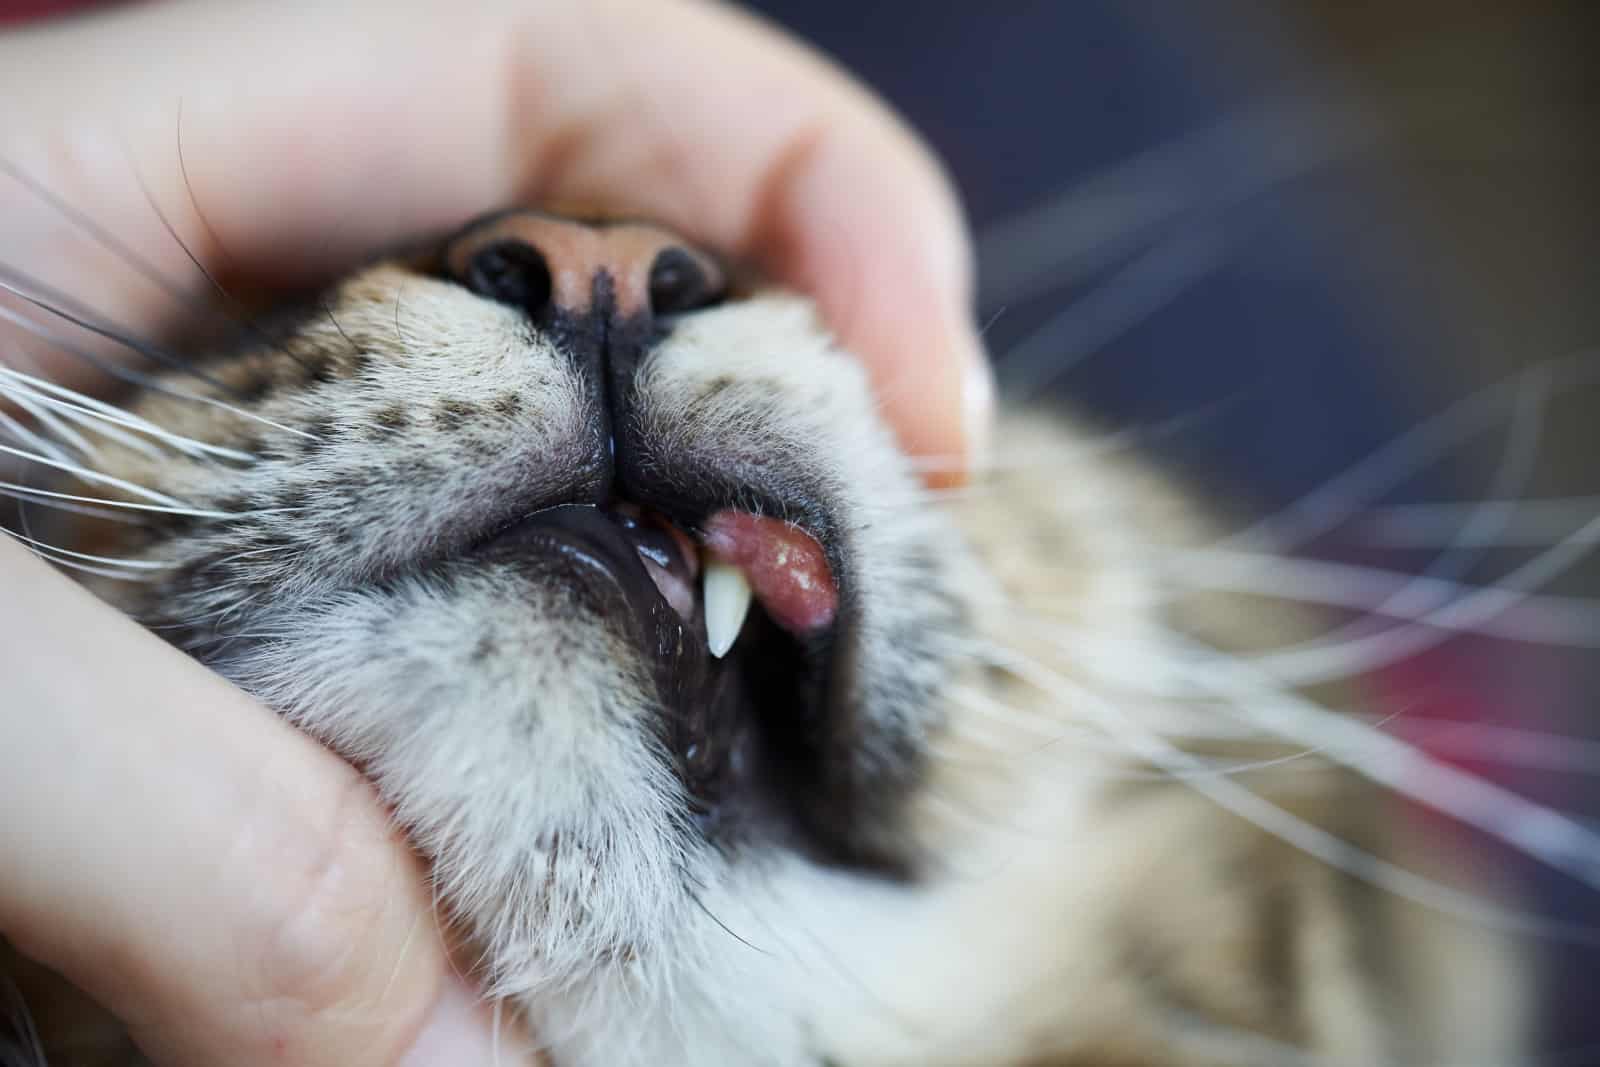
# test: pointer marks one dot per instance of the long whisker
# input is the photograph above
(1510, 477)
(1083, 229)
(1555, 840)
(91, 412)
(23, 498)
(131, 256)
(230, 309)
(59, 305)
(1507, 745)
(144, 381)
(1521, 523)
(1485, 742)
(49, 556)
(1086, 325)
(1104, 444)
(45, 496)
(111, 369)
(104, 237)
(49, 422)
(1084, 740)
(1230, 795)
(22, 434)
(1321, 661)
(110, 561)
(1337, 500)
(85, 474)
(58, 413)
(1535, 618)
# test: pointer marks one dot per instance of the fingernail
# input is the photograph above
(977, 401)
(460, 1032)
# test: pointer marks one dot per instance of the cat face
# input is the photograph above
(726, 741)
(487, 519)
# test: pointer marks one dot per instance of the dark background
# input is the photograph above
(1268, 334)
(1358, 293)
(1348, 301)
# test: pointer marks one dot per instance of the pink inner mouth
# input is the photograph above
(786, 568)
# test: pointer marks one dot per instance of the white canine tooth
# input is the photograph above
(727, 598)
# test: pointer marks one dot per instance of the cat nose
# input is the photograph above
(562, 270)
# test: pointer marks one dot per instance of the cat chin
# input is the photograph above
(511, 734)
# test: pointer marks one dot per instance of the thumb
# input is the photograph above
(232, 891)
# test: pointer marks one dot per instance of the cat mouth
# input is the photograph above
(734, 616)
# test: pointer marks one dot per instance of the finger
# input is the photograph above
(312, 135)
(229, 889)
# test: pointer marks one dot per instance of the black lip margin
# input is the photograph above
(848, 809)
(586, 539)
(708, 725)
(773, 723)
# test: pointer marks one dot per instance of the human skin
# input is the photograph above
(231, 890)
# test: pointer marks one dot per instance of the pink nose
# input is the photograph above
(545, 264)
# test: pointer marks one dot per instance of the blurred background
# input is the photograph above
(1330, 257)
(1336, 260)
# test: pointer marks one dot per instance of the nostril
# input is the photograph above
(679, 283)
(510, 272)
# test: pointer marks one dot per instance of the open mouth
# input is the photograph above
(735, 617)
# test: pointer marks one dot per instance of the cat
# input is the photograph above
(728, 740)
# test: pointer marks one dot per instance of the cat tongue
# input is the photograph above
(786, 568)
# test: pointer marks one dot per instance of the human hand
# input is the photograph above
(231, 890)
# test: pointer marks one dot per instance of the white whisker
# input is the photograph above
(27, 437)
(1327, 660)
(1522, 523)
(1245, 692)
(1510, 477)
(1131, 296)
(93, 476)
(107, 429)
(165, 389)
(1230, 795)
(55, 412)
(71, 564)
(132, 564)
(1535, 618)
(101, 513)
(48, 422)
(1553, 839)
(1511, 474)
(91, 412)
(44, 496)
(1343, 497)
(1084, 229)
(1081, 739)
(1507, 746)
(1045, 458)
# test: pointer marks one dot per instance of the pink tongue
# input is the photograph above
(786, 569)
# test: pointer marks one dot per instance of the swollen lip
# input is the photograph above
(786, 570)
(744, 558)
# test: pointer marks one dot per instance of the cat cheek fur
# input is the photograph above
(515, 740)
